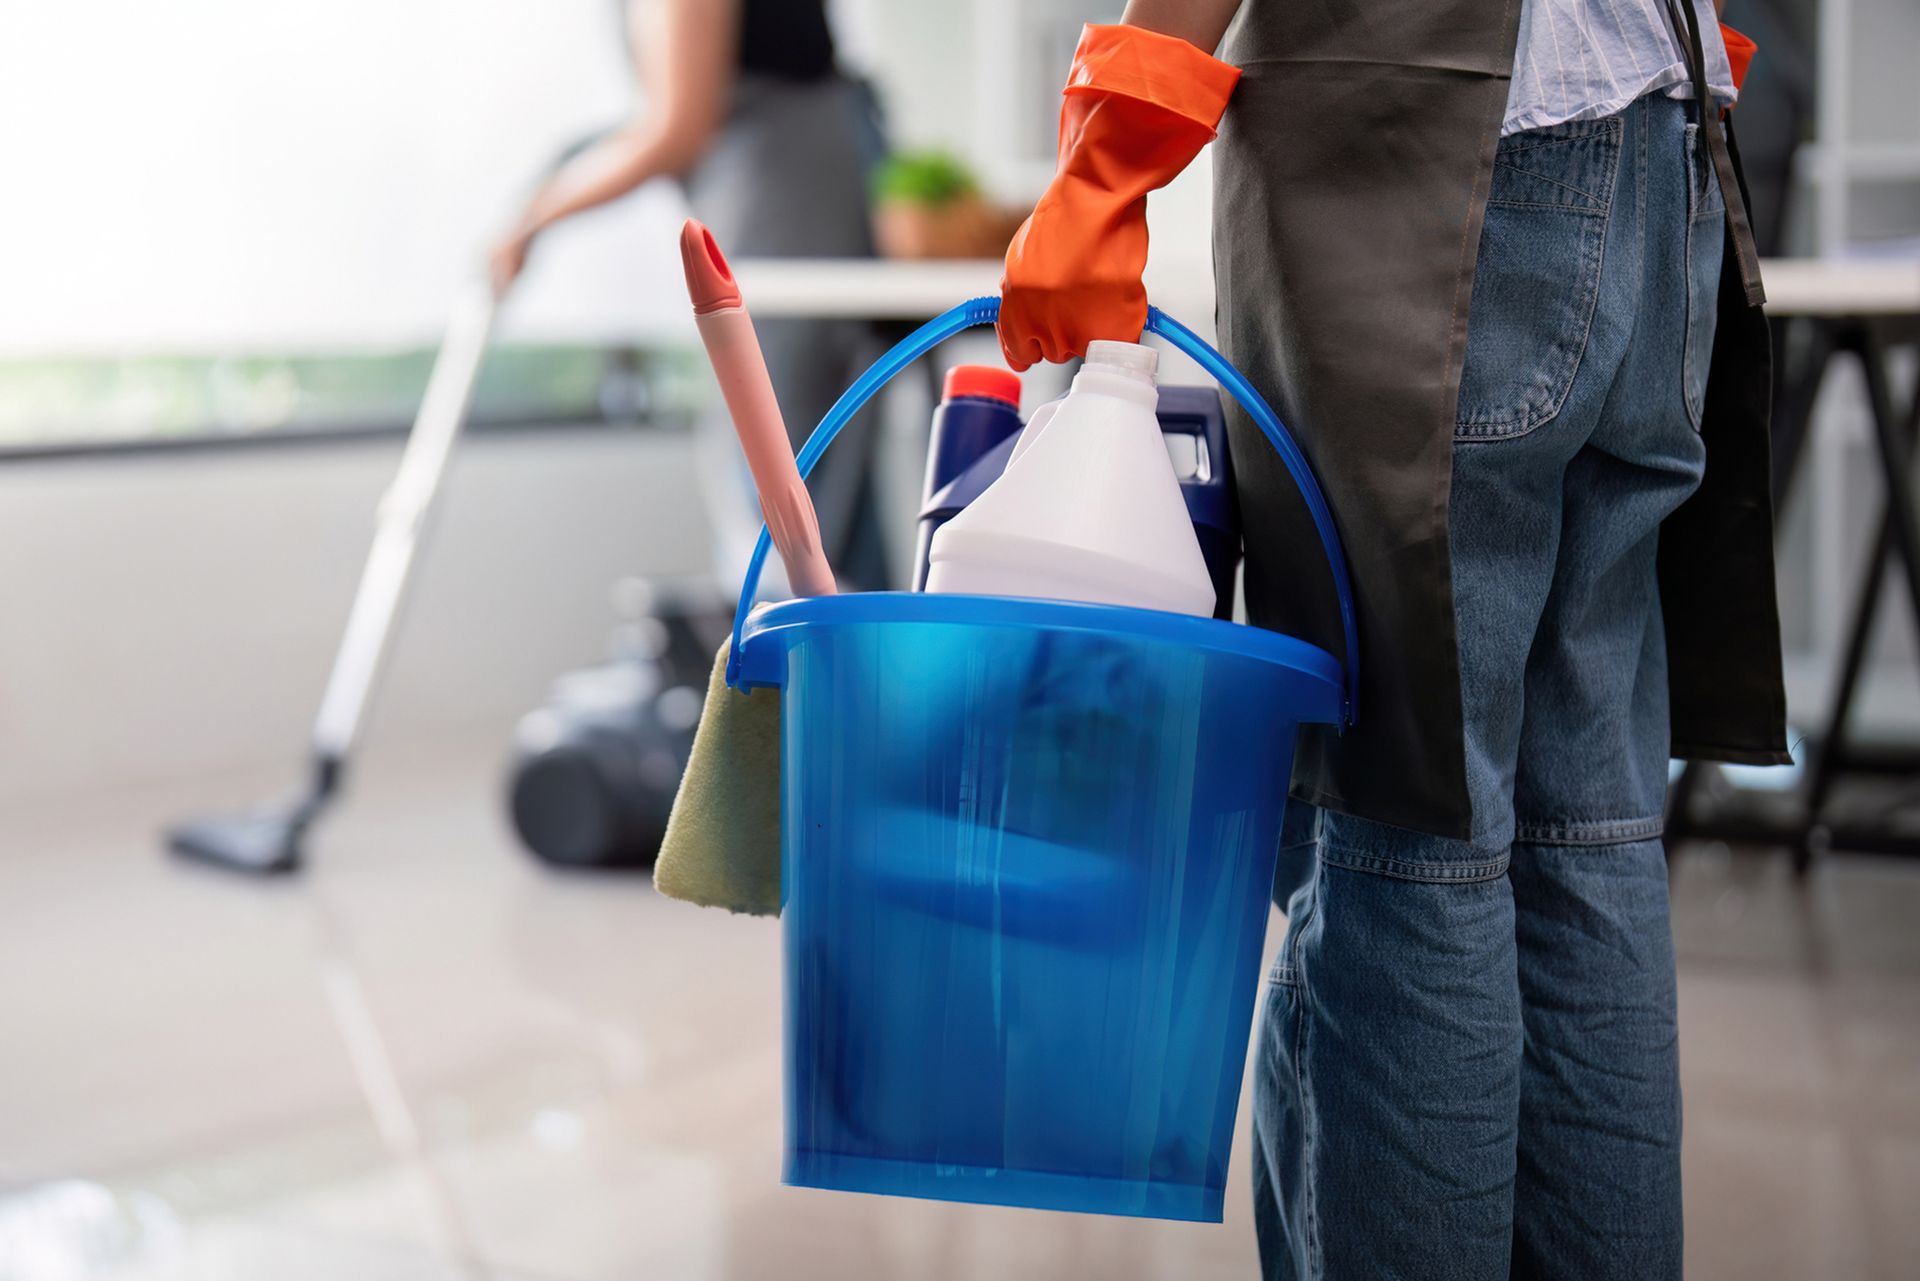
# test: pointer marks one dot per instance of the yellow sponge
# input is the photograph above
(722, 847)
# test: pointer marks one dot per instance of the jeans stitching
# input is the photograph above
(1574, 131)
(1551, 182)
(1285, 970)
(1309, 1116)
(1584, 210)
(1640, 201)
(1624, 831)
(1406, 870)
(1694, 403)
(1687, 399)
(1593, 258)
(1698, 182)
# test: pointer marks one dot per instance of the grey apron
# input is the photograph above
(1351, 178)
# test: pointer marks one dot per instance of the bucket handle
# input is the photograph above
(985, 311)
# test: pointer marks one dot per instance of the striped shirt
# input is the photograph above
(1582, 59)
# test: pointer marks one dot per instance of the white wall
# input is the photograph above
(168, 615)
(219, 175)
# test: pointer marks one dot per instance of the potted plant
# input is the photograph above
(927, 204)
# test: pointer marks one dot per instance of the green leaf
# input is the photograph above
(925, 178)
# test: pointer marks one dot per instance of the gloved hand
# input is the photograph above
(1138, 107)
(1740, 51)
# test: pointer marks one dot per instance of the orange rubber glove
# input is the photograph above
(1740, 51)
(1137, 109)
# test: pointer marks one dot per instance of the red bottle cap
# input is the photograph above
(990, 381)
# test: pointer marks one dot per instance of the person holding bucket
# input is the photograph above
(1490, 260)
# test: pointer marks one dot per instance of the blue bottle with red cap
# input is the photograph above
(978, 423)
(979, 410)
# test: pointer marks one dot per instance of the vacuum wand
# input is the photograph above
(268, 838)
(400, 524)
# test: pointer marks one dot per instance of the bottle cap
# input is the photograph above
(1131, 357)
(989, 381)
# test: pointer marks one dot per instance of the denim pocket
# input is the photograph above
(1537, 277)
(1706, 241)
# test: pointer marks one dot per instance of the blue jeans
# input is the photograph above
(1467, 1063)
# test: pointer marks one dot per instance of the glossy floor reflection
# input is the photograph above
(428, 1058)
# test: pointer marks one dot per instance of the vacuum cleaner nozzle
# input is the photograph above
(265, 840)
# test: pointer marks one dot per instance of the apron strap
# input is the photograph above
(1686, 24)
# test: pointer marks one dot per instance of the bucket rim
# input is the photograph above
(770, 627)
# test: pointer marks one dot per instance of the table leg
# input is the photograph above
(1895, 443)
(1898, 530)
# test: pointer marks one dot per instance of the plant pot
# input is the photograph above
(968, 227)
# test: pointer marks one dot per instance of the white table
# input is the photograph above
(1847, 287)
(877, 289)
(862, 288)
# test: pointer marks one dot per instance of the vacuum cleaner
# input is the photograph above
(593, 770)
(267, 838)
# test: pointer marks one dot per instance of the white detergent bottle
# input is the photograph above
(1088, 509)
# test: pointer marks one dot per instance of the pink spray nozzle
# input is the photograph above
(725, 329)
(709, 281)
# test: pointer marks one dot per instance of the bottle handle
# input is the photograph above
(1031, 432)
(985, 311)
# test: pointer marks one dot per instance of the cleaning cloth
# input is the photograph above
(722, 847)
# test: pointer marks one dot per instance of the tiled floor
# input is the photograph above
(428, 1058)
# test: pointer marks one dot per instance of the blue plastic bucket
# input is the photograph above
(1026, 853)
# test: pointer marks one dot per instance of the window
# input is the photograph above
(230, 217)
(63, 401)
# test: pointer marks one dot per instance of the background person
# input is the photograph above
(774, 146)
